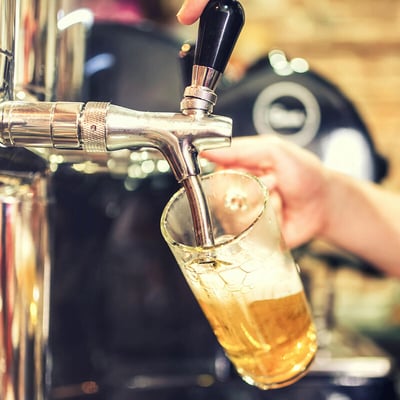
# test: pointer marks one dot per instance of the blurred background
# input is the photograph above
(354, 44)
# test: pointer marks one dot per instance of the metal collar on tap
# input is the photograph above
(200, 97)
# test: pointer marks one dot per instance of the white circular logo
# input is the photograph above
(287, 109)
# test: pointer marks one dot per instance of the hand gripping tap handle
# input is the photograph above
(219, 28)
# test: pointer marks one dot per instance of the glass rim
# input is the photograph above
(263, 189)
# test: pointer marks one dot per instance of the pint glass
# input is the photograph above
(247, 283)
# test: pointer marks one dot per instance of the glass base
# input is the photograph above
(273, 383)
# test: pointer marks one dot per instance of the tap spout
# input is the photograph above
(99, 127)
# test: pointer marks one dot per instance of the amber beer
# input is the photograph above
(272, 345)
(262, 320)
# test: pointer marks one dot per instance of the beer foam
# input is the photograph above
(254, 279)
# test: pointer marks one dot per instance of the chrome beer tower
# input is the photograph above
(42, 45)
(95, 127)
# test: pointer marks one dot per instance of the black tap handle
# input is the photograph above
(219, 28)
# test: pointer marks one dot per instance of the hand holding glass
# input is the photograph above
(247, 284)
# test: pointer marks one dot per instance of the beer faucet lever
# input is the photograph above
(219, 28)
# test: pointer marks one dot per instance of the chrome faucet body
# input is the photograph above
(96, 127)
(32, 51)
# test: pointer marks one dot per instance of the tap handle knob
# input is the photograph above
(219, 28)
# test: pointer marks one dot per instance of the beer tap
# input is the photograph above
(97, 127)
(219, 28)
(32, 123)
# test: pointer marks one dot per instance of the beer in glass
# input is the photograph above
(247, 283)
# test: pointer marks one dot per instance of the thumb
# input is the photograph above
(190, 11)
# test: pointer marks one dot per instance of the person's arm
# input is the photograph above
(357, 216)
(191, 11)
(364, 219)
